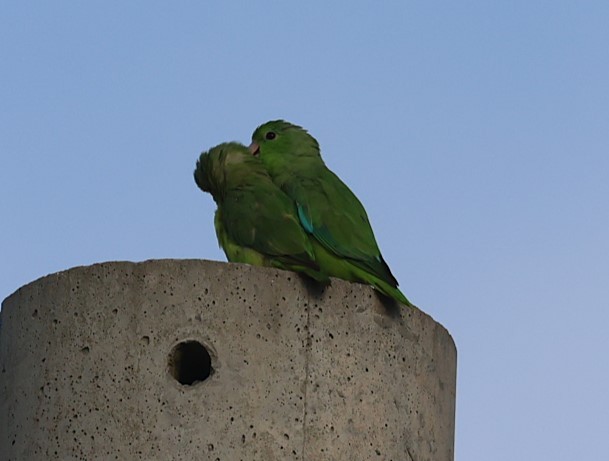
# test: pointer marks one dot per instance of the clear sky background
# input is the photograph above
(476, 134)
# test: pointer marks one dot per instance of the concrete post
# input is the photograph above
(199, 360)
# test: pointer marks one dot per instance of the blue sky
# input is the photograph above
(475, 133)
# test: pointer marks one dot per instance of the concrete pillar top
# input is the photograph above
(195, 359)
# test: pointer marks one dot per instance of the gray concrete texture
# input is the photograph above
(89, 359)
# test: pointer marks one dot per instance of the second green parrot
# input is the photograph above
(256, 223)
(342, 237)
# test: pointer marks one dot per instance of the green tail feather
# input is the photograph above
(390, 291)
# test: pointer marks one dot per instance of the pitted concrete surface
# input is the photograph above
(298, 373)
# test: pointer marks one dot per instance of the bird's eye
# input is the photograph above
(271, 135)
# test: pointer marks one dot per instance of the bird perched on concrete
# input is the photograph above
(327, 210)
(256, 223)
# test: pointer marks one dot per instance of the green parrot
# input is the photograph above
(256, 223)
(343, 240)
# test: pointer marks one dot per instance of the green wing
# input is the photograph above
(328, 210)
(345, 246)
(263, 219)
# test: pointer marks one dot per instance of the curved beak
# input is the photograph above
(254, 149)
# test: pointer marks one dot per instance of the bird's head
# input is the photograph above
(215, 166)
(279, 138)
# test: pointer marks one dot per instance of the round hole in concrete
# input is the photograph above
(189, 362)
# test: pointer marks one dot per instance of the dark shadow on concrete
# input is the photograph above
(392, 307)
(314, 288)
